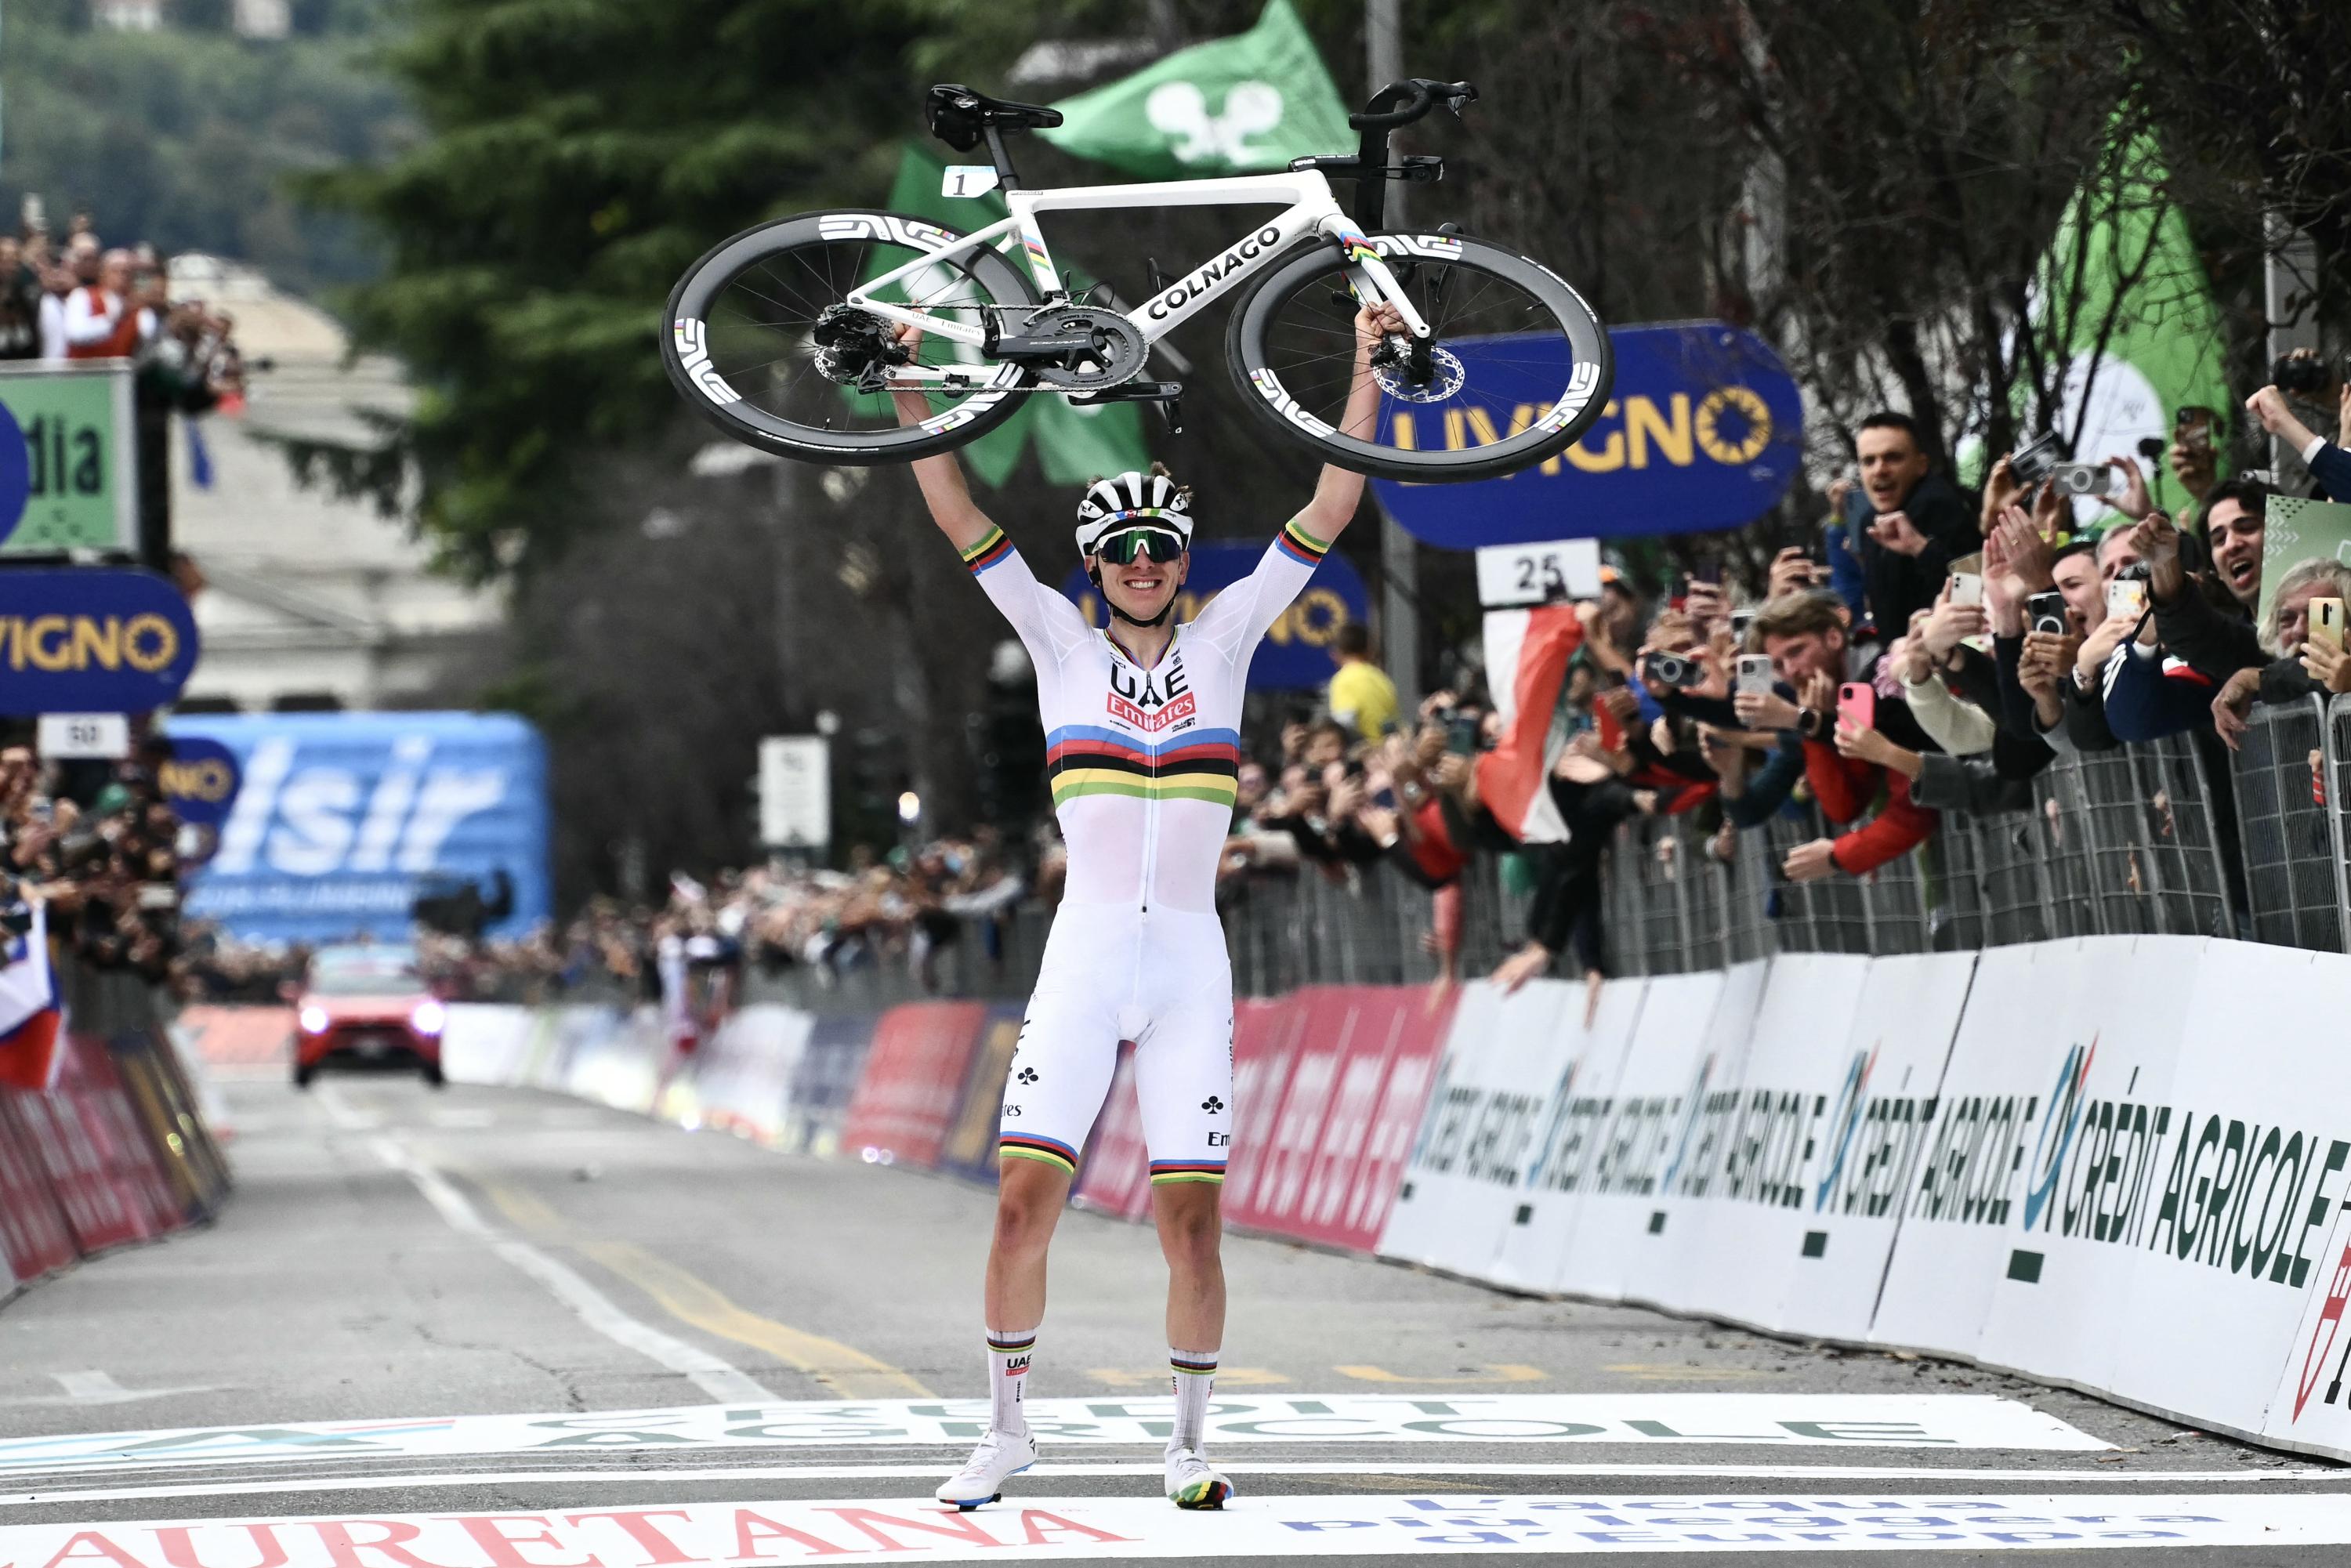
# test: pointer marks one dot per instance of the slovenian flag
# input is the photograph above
(30, 1057)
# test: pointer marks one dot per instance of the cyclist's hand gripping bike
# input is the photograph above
(786, 335)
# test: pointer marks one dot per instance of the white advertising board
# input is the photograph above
(1536, 1231)
(1878, 1121)
(795, 791)
(1504, 1058)
(1667, 1267)
(1618, 1200)
(1510, 576)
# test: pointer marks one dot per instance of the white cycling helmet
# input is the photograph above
(1134, 499)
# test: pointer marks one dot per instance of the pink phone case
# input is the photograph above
(1857, 705)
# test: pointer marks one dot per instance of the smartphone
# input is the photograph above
(1857, 705)
(2326, 623)
(2192, 428)
(2126, 596)
(1966, 588)
(1461, 733)
(2045, 612)
(1755, 674)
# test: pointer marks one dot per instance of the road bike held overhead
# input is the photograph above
(786, 335)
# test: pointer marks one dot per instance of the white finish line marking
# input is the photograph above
(1026, 1529)
(1764, 1420)
(1823, 1475)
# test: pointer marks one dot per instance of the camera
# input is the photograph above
(2035, 460)
(2303, 375)
(1675, 670)
(2083, 479)
(2046, 611)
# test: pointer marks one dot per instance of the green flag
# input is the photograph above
(2121, 297)
(1073, 445)
(1238, 105)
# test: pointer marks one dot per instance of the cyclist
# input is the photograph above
(1142, 726)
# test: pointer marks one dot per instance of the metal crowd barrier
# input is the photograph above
(2179, 837)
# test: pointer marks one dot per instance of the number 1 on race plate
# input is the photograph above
(1514, 575)
(967, 179)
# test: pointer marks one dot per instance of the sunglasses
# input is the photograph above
(1120, 549)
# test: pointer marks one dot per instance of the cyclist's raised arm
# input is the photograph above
(941, 477)
(1340, 490)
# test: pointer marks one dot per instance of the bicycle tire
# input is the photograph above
(686, 354)
(1592, 365)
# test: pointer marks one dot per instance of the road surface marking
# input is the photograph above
(99, 1388)
(1631, 1419)
(1509, 1372)
(844, 1369)
(1654, 1372)
(347, 1117)
(1024, 1528)
(1831, 1476)
(717, 1378)
(1156, 1377)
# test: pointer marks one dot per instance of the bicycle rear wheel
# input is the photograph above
(1519, 367)
(740, 337)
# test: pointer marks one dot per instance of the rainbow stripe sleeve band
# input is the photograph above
(1300, 546)
(989, 551)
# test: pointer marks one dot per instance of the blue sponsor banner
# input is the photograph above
(1703, 429)
(92, 639)
(201, 779)
(343, 819)
(1296, 652)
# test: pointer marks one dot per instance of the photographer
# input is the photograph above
(2327, 461)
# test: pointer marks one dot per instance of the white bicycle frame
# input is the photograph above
(1308, 208)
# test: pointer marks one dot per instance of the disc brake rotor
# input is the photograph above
(1445, 375)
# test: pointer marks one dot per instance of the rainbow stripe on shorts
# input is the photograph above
(1044, 1151)
(1165, 1173)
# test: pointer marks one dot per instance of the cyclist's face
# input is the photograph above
(1141, 588)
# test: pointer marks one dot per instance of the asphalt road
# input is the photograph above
(787, 1333)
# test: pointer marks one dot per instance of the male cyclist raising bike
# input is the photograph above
(1141, 732)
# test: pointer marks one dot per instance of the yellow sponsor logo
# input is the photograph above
(58, 644)
(211, 779)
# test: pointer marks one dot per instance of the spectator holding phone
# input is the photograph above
(1909, 522)
(2305, 665)
(2208, 620)
(1856, 746)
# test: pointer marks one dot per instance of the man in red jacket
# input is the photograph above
(1847, 768)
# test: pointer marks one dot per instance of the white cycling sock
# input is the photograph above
(1194, 1374)
(1007, 1378)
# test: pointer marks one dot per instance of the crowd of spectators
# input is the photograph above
(904, 910)
(99, 853)
(78, 298)
(1936, 650)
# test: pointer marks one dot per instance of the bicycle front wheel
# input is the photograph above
(1519, 367)
(759, 338)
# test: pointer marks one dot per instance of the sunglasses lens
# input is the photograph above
(1120, 550)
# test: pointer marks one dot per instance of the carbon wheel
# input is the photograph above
(1519, 367)
(741, 336)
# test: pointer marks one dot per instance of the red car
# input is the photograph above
(367, 1007)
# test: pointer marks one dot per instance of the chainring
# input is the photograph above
(1116, 356)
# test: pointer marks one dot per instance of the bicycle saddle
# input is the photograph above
(958, 116)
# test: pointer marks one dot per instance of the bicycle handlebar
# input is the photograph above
(1412, 100)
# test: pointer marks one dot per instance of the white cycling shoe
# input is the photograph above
(1193, 1483)
(998, 1455)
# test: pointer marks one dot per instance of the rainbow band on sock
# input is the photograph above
(989, 551)
(1163, 1172)
(1300, 546)
(1011, 1345)
(1192, 1368)
(1044, 1151)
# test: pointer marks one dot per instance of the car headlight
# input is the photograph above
(313, 1018)
(429, 1016)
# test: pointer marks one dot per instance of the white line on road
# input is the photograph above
(1826, 1475)
(718, 1378)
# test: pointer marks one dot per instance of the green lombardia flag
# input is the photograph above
(2122, 271)
(1238, 105)
(1075, 446)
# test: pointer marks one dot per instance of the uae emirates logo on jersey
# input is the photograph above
(1151, 700)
